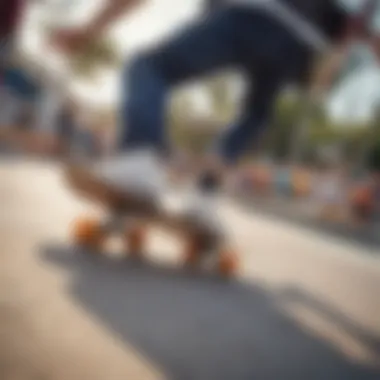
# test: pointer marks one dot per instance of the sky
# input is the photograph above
(354, 99)
(357, 97)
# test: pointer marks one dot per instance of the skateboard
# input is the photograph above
(130, 217)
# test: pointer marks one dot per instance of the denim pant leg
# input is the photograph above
(229, 38)
(199, 49)
(263, 89)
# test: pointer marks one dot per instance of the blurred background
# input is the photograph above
(316, 169)
(322, 157)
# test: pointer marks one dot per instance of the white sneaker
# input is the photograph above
(142, 172)
(204, 209)
(139, 172)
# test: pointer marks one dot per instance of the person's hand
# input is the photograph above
(70, 40)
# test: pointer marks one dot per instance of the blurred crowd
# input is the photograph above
(333, 193)
(30, 102)
(36, 112)
(328, 192)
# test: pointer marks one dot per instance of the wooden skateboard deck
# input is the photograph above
(131, 215)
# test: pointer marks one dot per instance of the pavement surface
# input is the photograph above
(305, 305)
(304, 214)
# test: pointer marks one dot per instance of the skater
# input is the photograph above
(272, 42)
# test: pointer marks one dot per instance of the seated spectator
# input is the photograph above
(330, 194)
(362, 204)
(258, 179)
(283, 180)
(246, 180)
(301, 182)
(366, 200)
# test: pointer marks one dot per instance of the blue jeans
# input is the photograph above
(233, 37)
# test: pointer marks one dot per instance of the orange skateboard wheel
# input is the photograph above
(227, 264)
(88, 232)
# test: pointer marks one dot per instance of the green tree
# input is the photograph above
(194, 138)
(219, 89)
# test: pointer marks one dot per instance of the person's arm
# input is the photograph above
(354, 28)
(74, 40)
(109, 13)
(328, 68)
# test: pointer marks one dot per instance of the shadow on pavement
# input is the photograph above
(295, 296)
(198, 327)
